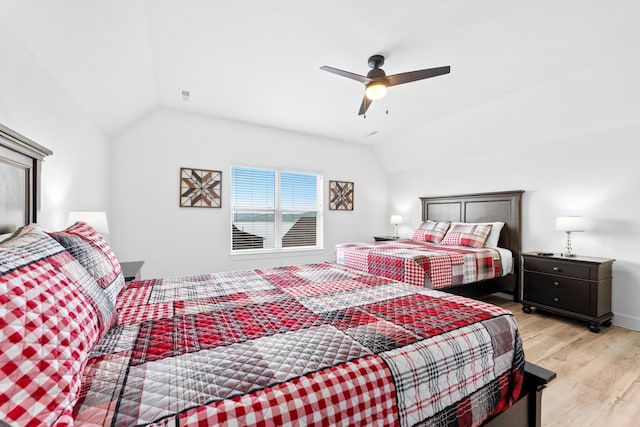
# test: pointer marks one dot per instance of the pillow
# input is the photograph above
(430, 231)
(473, 235)
(93, 252)
(494, 235)
(52, 312)
(5, 236)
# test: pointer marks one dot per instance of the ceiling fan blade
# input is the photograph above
(352, 76)
(412, 76)
(366, 103)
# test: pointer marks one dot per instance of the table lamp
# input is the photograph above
(569, 224)
(395, 220)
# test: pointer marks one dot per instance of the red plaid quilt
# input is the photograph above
(303, 345)
(419, 263)
(52, 313)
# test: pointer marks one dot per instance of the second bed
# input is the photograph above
(430, 263)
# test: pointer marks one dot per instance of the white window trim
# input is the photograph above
(279, 250)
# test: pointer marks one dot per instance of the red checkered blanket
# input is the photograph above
(420, 263)
(303, 345)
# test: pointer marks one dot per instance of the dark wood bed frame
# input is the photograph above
(527, 411)
(19, 151)
(504, 206)
(19, 157)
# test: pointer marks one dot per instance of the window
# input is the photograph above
(273, 210)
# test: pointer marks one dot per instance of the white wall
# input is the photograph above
(592, 175)
(147, 223)
(34, 104)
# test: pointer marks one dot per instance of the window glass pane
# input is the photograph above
(253, 230)
(298, 191)
(299, 229)
(255, 188)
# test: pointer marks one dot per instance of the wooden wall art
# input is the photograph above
(340, 195)
(200, 188)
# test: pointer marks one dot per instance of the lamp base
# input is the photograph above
(569, 251)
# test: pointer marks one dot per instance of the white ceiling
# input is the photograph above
(258, 61)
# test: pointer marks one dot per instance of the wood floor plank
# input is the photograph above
(598, 375)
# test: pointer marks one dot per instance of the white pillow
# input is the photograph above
(5, 236)
(494, 235)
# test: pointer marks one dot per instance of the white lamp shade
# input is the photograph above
(396, 219)
(96, 219)
(569, 223)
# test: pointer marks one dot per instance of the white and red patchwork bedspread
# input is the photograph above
(420, 263)
(304, 345)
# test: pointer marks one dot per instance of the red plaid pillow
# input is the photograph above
(431, 231)
(473, 235)
(93, 252)
(51, 316)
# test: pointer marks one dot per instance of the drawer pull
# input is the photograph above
(556, 268)
(556, 284)
(556, 299)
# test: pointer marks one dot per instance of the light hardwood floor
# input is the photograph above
(598, 375)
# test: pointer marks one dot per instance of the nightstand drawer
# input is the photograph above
(558, 267)
(557, 292)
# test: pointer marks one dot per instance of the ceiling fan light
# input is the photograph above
(376, 90)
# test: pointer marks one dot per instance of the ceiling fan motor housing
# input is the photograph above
(376, 61)
(376, 72)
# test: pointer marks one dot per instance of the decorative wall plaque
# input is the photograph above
(200, 188)
(340, 195)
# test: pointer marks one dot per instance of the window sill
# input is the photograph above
(273, 253)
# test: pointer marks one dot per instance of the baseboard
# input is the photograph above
(628, 322)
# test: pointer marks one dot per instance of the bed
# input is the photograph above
(315, 344)
(438, 257)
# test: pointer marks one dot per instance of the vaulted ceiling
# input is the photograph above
(258, 61)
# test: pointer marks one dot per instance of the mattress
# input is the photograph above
(425, 264)
(318, 344)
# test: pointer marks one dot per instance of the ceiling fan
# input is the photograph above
(377, 81)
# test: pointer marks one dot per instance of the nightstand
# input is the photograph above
(384, 238)
(132, 270)
(577, 287)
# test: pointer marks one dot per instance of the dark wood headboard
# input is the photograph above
(20, 163)
(503, 206)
